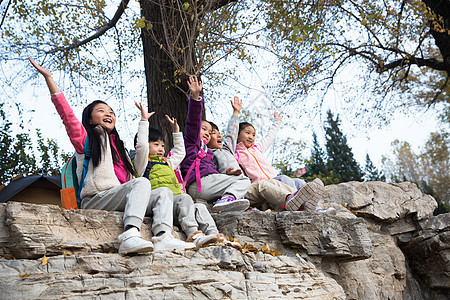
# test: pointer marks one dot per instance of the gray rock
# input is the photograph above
(382, 201)
(383, 243)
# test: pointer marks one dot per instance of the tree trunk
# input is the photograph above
(163, 98)
(442, 39)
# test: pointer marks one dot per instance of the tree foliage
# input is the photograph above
(389, 53)
(339, 155)
(393, 53)
(371, 172)
(428, 169)
(18, 156)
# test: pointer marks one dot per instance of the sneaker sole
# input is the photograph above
(206, 240)
(309, 195)
(136, 250)
(236, 205)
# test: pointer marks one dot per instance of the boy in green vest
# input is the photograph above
(194, 219)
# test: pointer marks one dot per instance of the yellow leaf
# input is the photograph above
(24, 275)
(44, 260)
(67, 254)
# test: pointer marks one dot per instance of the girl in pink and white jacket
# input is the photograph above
(109, 183)
(250, 156)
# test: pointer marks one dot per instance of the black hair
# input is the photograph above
(214, 126)
(154, 135)
(244, 125)
(95, 141)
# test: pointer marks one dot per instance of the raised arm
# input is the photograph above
(194, 117)
(179, 151)
(231, 135)
(142, 148)
(75, 130)
(270, 136)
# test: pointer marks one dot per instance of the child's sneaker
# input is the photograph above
(230, 204)
(168, 242)
(131, 241)
(306, 197)
(200, 239)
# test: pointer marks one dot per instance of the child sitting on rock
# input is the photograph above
(160, 171)
(109, 183)
(202, 180)
(270, 190)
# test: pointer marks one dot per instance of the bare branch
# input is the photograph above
(112, 23)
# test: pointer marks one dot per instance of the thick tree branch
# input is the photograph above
(4, 14)
(420, 62)
(120, 9)
(220, 3)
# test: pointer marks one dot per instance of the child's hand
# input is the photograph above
(237, 105)
(236, 172)
(174, 123)
(144, 114)
(42, 70)
(47, 76)
(195, 87)
(277, 115)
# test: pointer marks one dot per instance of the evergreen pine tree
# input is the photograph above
(316, 164)
(371, 172)
(340, 159)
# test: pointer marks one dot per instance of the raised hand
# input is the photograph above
(277, 115)
(47, 75)
(237, 105)
(195, 87)
(144, 114)
(40, 69)
(231, 171)
(174, 123)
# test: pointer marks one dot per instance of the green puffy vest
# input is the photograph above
(161, 174)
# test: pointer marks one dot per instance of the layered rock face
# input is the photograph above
(383, 243)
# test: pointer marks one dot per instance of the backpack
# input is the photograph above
(71, 189)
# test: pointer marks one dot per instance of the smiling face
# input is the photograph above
(156, 148)
(205, 132)
(103, 115)
(247, 136)
(215, 141)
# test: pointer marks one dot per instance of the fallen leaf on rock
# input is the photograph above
(44, 260)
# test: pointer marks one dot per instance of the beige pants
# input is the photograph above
(270, 191)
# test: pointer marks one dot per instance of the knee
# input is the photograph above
(187, 199)
(165, 192)
(142, 181)
(200, 206)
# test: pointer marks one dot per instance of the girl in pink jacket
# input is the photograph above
(109, 183)
(250, 156)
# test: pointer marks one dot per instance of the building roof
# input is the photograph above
(16, 186)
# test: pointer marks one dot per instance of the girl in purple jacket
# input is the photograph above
(201, 177)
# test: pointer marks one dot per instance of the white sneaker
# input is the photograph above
(230, 204)
(131, 241)
(306, 197)
(200, 239)
(168, 242)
